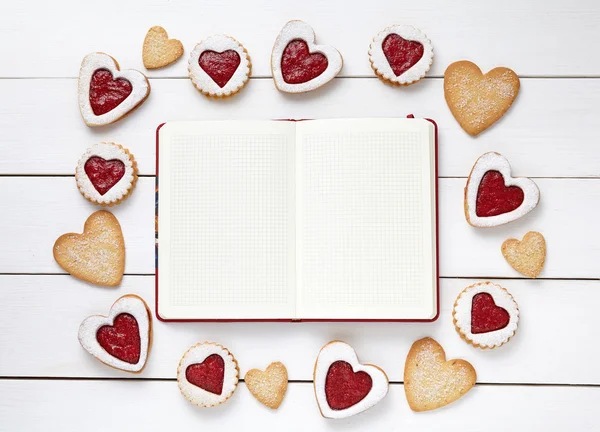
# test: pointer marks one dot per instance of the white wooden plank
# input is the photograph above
(43, 132)
(41, 315)
(158, 406)
(37, 210)
(509, 35)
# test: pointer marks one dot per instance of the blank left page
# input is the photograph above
(226, 240)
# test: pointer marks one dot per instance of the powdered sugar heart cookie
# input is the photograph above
(476, 100)
(158, 50)
(207, 374)
(486, 315)
(122, 339)
(401, 54)
(493, 197)
(268, 387)
(430, 381)
(298, 64)
(106, 93)
(96, 256)
(219, 66)
(526, 256)
(343, 386)
(106, 174)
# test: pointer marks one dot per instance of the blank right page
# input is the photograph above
(365, 215)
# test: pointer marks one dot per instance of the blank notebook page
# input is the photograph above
(226, 220)
(365, 229)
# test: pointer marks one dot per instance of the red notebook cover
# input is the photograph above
(293, 319)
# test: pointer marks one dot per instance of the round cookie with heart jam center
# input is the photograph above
(300, 65)
(106, 174)
(122, 339)
(219, 66)
(486, 315)
(493, 197)
(207, 374)
(401, 55)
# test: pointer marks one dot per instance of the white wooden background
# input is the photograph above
(547, 378)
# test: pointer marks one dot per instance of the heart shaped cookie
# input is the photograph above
(207, 374)
(493, 197)
(526, 256)
(343, 386)
(268, 387)
(122, 339)
(96, 256)
(298, 64)
(401, 55)
(106, 174)
(106, 93)
(486, 315)
(431, 382)
(219, 66)
(476, 100)
(158, 50)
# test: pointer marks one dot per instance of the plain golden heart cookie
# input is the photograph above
(476, 100)
(268, 387)
(430, 381)
(526, 256)
(158, 50)
(96, 256)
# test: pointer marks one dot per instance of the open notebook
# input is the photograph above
(309, 220)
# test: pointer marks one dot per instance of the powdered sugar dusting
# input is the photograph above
(431, 382)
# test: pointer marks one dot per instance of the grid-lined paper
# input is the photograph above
(229, 223)
(365, 237)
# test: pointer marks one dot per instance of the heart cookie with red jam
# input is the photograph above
(476, 100)
(343, 386)
(106, 93)
(207, 374)
(486, 315)
(298, 64)
(106, 174)
(122, 339)
(219, 66)
(431, 382)
(401, 55)
(98, 254)
(493, 197)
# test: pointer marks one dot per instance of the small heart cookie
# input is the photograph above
(431, 382)
(486, 315)
(96, 256)
(476, 100)
(219, 66)
(493, 197)
(526, 256)
(343, 386)
(298, 64)
(268, 387)
(207, 374)
(106, 174)
(106, 93)
(401, 55)
(122, 339)
(158, 50)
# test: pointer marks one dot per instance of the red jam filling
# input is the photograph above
(344, 387)
(104, 174)
(494, 198)
(486, 316)
(219, 66)
(298, 65)
(207, 375)
(122, 339)
(400, 53)
(107, 93)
